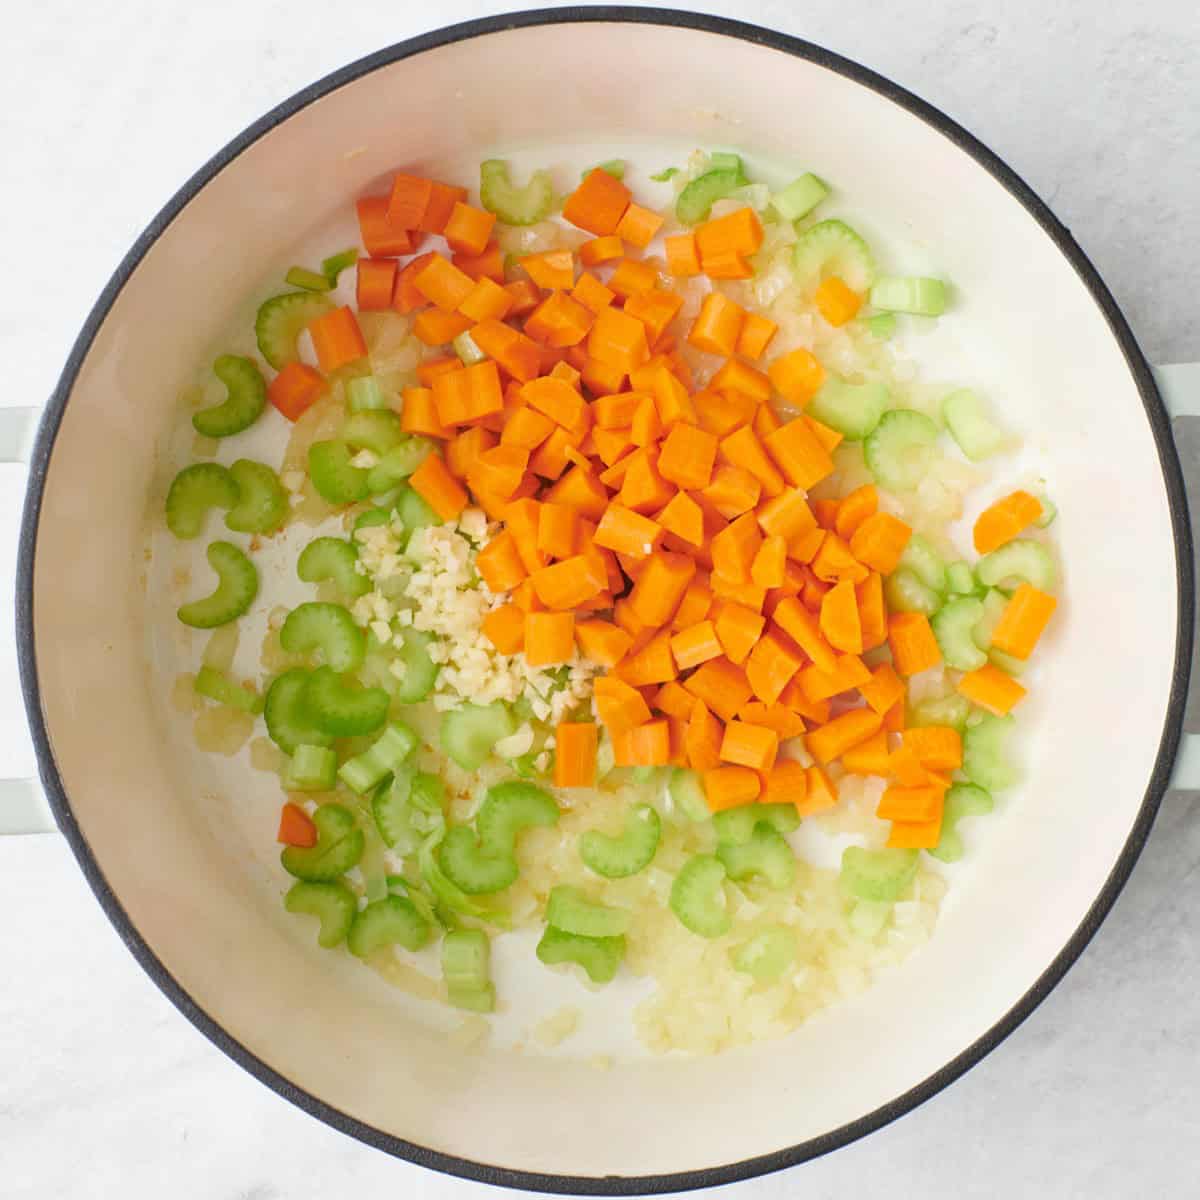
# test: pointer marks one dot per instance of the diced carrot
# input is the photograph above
(938, 747)
(771, 665)
(733, 491)
(575, 746)
(468, 229)
(661, 586)
(695, 645)
(767, 570)
(717, 326)
(409, 201)
(683, 255)
(380, 237)
(803, 460)
(869, 757)
(526, 428)
(1006, 519)
(813, 591)
(468, 394)
(787, 515)
(443, 284)
(836, 301)
(910, 804)
(499, 563)
(567, 584)
(433, 327)
(438, 488)
(730, 787)
(521, 519)
(831, 741)
(504, 627)
(687, 456)
(786, 783)
(487, 265)
(721, 413)
(549, 460)
(721, 685)
(695, 605)
(643, 489)
(848, 673)
(914, 648)
(296, 827)
(549, 638)
(581, 490)
(602, 641)
(879, 541)
(884, 689)
(1023, 621)
(601, 250)
(551, 270)
(734, 548)
(794, 697)
(295, 389)
(797, 376)
(638, 225)
(737, 376)
(559, 321)
(442, 199)
(826, 512)
(487, 300)
(516, 353)
(646, 427)
(804, 629)
(670, 394)
(655, 309)
(702, 738)
(653, 663)
(821, 795)
(905, 767)
(872, 612)
(591, 293)
(464, 448)
(525, 598)
(991, 688)
(766, 421)
(558, 527)
(498, 471)
(746, 593)
(618, 340)
(786, 723)
(647, 745)
(739, 231)
(854, 509)
(406, 299)
(376, 280)
(915, 835)
(746, 745)
(727, 264)
(431, 368)
(632, 278)
(895, 718)
(743, 449)
(755, 336)
(598, 203)
(337, 339)
(674, 701)
(839, 619)
(834, 563)
(738, 629)
(556, 399)
(627, 532)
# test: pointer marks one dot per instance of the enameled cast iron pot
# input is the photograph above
(179, 851)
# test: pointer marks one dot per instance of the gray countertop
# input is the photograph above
(104, 1088)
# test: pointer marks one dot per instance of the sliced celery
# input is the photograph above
(311, 769)
(288, 722)
(466, 968)
(966, 417)
(510, 808)
(246, 396)
(235, 591)
(341, 707)
(687, 794)
(216, 685)
(262, 505)
(905, 592)
(953, 627)
(194, 491)
(766, 955)
(881, 875)
(900, 449)
(925, 562)
(881, 326)
(766, 854)
(310, 281)
(339, 846)
(471, 867)
(1021, 560)
(391, 921)
(377, 430)
(333, 903)
(800, 197)
(334, 476)
(333, 558)
(599, 957)
(397, 464)
(665, 174)
(695, 202)
(960, 579)
(962, 800)
(735, 826)
(384, 757)
(469, 733)
(414, 512)
(832, 248)
(950, 710)
(853, 409)
(327, 630)
(984, 759)
(910, 294)
(447, 893)
(627, 854)
(365, 395)
(335, 264)
(392, 810)
(993, 605)
(515, 205)
(867, 918)
(282, 319)
(420, 671)
(698, 897)
(571, 911)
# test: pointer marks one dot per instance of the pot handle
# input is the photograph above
(23, 807)
(1179, 385)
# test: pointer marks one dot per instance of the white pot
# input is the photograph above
(182, 861)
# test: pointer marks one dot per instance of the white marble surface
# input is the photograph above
(105, 1089)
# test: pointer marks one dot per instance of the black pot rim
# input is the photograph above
(683, 1180)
